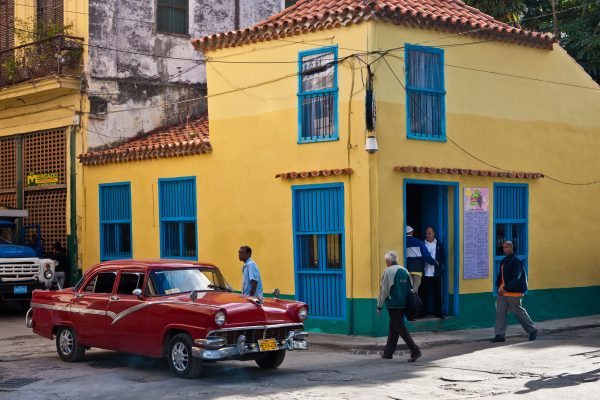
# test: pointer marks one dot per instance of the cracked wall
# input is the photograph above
(150, 79)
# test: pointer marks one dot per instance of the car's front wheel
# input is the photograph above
(180, 357)
(272, 360)
(67, 345)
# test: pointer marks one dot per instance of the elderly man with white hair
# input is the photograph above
(394, 291)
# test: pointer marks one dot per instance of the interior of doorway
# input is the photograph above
(427, 205)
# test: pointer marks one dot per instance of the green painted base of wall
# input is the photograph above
(475, 311)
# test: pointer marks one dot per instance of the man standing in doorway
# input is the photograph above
(512, 284)
(393, 291)
(251, 282)
(416, 257)
(432, 274)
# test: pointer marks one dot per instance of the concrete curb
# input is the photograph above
(363, 344)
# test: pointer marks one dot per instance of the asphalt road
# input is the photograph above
(563, 366)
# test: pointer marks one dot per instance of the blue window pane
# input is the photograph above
(425, 93)
(115, 221)
(171, 239)
(177, 198)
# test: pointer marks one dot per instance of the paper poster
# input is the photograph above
(476, 233)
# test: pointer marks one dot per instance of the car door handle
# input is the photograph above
(78, 296)
(114, 298)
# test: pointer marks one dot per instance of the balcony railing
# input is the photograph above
(57, 55)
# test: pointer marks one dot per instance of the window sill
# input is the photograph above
(430, 139)
(181, 35)
(306, 141)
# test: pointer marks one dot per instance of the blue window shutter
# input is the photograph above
(318, 95)
(115, 221)
(425, 93)
(177, 213)
(318, 221)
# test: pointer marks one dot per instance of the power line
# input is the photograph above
(479, 159)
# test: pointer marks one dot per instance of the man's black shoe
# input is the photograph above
(532, 335)
(414, 357)
(386, 357)
(440, 316)
(498, 339)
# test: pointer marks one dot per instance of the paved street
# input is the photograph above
(563, 366)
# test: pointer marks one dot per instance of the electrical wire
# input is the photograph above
(481, 160)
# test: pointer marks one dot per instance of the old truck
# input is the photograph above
(22, 268)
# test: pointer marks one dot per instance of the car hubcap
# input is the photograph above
(66, 342)
(179, 357)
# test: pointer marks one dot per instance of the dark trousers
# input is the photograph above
(434, 284)
(398, 329)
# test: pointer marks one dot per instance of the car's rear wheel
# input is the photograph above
(272, 360)
(67, 345)
(181, 361)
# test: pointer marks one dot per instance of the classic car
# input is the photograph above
(183, 311)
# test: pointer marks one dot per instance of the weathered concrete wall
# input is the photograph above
(152, 79)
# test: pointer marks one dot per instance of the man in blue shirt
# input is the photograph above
(251, 282)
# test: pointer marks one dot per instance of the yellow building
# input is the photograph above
(484, 132)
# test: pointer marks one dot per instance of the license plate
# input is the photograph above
(20, 289)
(267, 344)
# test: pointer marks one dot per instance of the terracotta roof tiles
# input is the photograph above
(173, 141)
(312, 15)
(464, 171)
(314, 173)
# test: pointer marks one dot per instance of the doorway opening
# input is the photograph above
(435, 204)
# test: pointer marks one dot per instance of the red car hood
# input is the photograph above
(242, 310)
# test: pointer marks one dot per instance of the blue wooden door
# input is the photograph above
(319, 249)
(510, 222)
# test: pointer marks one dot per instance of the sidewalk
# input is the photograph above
(434, 339)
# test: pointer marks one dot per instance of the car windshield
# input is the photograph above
(172, 281)
(7, 235)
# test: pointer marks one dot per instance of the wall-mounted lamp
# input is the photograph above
(371, 145)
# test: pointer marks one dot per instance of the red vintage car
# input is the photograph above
(184, 311)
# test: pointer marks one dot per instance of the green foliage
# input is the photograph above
(578, 24)
(29, 30)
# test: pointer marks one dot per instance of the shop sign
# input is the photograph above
(42, 179)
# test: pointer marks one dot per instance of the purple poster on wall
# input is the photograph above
(476, 233)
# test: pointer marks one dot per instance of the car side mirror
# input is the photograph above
(276, 293)
(138, 293)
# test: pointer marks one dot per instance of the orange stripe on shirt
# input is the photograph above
(507, 294)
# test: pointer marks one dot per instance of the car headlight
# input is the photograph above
(48, 274)
(220, 318)
(302, 313)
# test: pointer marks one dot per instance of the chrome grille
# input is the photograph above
(254, 334)
(19, 270)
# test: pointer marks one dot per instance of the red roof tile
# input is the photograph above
(312, 15)
(314, 173)
(174, 141)
(475, 172)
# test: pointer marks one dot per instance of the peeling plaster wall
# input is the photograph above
(144, 92)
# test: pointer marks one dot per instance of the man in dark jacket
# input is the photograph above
(416, 257)
(512, 284)
(394, 290)
(432, 274)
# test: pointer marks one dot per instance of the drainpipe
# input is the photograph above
(236, 13)
(72, 237)
(20, 195)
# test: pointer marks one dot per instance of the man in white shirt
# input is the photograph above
(432, 274)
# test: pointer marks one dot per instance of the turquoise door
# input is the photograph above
(318, 219)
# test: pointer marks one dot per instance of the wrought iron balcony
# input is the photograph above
(57, 55)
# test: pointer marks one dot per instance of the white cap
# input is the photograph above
(409, 229)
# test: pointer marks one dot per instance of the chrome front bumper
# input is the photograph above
(212, 349)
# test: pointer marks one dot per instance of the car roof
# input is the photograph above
(151, 264)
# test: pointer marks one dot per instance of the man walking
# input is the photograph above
(432, 274)
(251, 282)
(512, 283)
(416, 257)
(393, 291)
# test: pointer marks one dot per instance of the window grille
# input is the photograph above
(318, 95)
(177, 210)
(172, 16)
(425, 93)
(115, 221)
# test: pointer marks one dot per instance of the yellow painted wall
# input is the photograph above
(518, 124)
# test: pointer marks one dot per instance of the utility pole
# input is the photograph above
(555, 19)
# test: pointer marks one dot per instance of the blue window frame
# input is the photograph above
(177, 213)
(317, 95)
(425, 93)
(318, 221)
(510, 222)
(115, 221)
